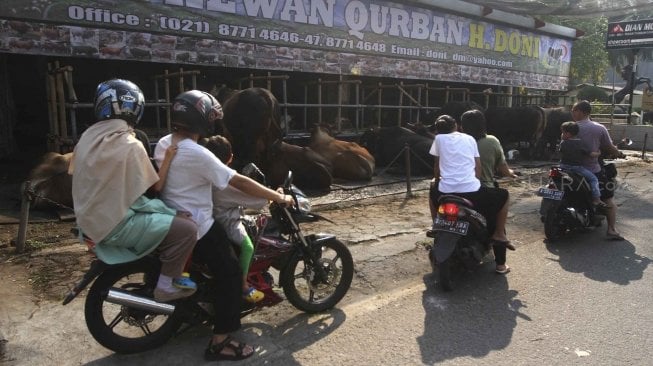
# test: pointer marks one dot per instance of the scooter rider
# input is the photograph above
(456, 168)
(596, 137)
(111, 173)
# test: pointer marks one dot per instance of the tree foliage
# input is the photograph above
(589, 58)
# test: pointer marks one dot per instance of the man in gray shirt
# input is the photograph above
(597, 138)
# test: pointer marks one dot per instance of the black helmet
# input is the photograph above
(196, 111)
(118, 98)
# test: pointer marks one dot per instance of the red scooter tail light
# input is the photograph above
(555, 173)
(449, 210)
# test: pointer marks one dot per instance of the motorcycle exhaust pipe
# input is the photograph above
(138, 302)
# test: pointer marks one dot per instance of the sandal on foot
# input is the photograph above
(615, 236)
(214, 351)
(502, 271)
(184, 283)
(505, 243)
(253, 295)
(601, 205)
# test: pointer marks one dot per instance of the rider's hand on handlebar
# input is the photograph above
(285, 200)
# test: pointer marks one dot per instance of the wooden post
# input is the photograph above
(52, 108)
(166, 85)
(409, 192)
(379, 100)
(61, 101)
(319, 100)
(181, 80)
(644, 148)
(401, 104)
(24, 217)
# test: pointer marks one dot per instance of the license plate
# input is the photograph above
(456, 227)
(552, 194)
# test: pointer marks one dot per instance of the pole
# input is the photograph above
(633, 85)
(644, 148)
(409, 192)
(24, 217)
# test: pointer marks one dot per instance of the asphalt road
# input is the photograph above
(583, 300)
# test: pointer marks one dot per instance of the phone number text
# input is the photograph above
(269, 35)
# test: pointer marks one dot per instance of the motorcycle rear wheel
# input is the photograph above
(301, 286)
(120, 328)
(553, 226)
(444, 274)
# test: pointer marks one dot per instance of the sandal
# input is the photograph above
(214, 351)
(505, 243)
(253, 295)
(614, 237)
(502, 271)
(184, 283)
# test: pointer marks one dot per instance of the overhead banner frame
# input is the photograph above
(350, 37)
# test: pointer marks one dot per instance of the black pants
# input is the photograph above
(215, 250)
(487, 201)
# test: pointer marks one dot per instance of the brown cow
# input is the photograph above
(51, 182)
(348, 160)
(310, 170)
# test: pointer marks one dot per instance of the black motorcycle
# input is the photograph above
(460, 238)
(567, 203)
(315, 272)
(567, 199)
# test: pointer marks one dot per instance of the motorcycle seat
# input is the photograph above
(456, 199)
(578, 181)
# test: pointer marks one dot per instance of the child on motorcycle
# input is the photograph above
(111, 174)
(193, 174)
(228, 208)
(572, 152)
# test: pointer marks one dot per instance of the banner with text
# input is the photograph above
(631, 34)
(375, 38)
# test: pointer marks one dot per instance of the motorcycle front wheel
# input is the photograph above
(121, 328)
(304, 288)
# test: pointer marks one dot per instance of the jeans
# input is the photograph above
(588, 175)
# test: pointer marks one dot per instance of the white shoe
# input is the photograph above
(161, 295)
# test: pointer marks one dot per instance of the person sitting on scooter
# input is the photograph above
(493, 161)
(597, 138)
(111, 174)
(456, 169)
(193, 174)
(572, 152)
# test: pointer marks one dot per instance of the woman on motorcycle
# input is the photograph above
(493, 161)
(111, 173)
(193, 174)
(456, 169)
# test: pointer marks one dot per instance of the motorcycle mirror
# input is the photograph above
(288, 181)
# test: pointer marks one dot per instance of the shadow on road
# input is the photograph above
(274, 344)
(599, 259)
(473, 320)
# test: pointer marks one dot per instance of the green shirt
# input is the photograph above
(143, 228)
(491, 152)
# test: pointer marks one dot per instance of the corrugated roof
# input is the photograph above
(579, 8)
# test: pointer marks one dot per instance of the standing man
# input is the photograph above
(596, 137)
